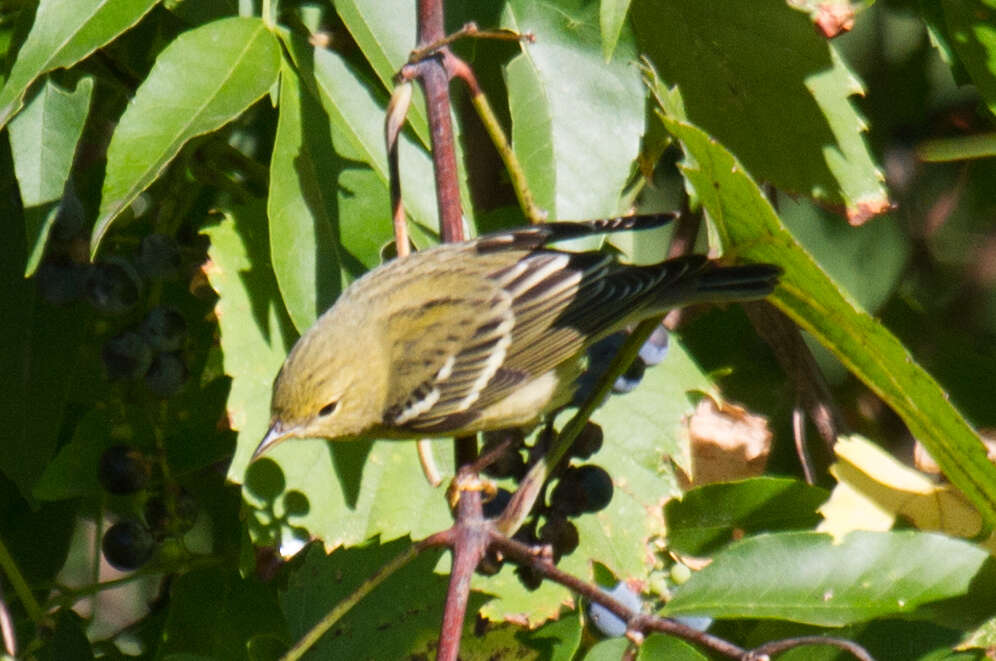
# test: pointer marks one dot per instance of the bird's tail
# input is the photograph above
(696, 279)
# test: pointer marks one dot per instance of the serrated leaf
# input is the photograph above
(561, 92)
(806, 577)
(65, 32)
(214, 613)
(344, 493)
(399, 619)
(705, 518)
(301, 206)
(204, 79)
(43, 142)
(972, 28)
(255, 329)
(357, 116)
(751, 231)
(792, 124)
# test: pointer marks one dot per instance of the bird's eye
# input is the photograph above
(327, 409)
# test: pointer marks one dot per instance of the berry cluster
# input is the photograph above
(144, 340)
(579, 490)
(125, 470)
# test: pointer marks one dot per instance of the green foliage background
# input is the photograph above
(262, 155)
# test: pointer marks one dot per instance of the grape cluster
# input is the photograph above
(144, 341)
(578, 489)
(124, 470)
(151, 347)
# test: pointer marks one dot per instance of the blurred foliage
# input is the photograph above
(187, 186)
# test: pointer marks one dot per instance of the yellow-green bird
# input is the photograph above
(478, 335)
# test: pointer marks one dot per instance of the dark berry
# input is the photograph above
(608, 623)
(654, 350)
(588, 442)
(159, 256)
(165, 329)
(493, 508)
(126, 355)
(128, 545)
(113, 286)
(123, 469)
(158, 519)
(60, 281)
(508, 463)
(601, 353)
(529, 577)
(166, 375)
(582, 489)
(631, 377)
(561, 534)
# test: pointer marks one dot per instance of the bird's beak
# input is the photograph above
(274, 435)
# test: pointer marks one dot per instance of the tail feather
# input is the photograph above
(739, 282)
(698, 280)
(537, 236)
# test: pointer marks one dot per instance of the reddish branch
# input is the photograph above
(472, 536)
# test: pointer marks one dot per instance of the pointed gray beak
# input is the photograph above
(274, 435)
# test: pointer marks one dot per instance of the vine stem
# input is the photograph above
(20, 585)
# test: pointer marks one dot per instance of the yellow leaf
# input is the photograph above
(874, 488)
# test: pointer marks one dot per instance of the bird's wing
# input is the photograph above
(528, 316)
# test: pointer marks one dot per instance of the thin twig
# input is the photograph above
(779, 646)
(308, 640)
(20, 586)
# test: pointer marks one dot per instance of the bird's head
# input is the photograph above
(328, 387)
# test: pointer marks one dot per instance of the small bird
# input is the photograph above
(479, 335)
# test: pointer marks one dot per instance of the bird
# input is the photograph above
(482, 334)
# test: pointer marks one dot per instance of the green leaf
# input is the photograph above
(43, 142)
(255, 329)
(706, 517)
(301, 206)
(356, 112)
(65, 32)
(608, 650)
(398, 619)
(611, 18)
(972, 29)
(205, 78)
(805, 577)
(660, 646)
(385, 33)
(214, 613)
(561, 92)
(791, 124)
(73, 471)
(751, 231)
(43, 345)
(867, 262)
